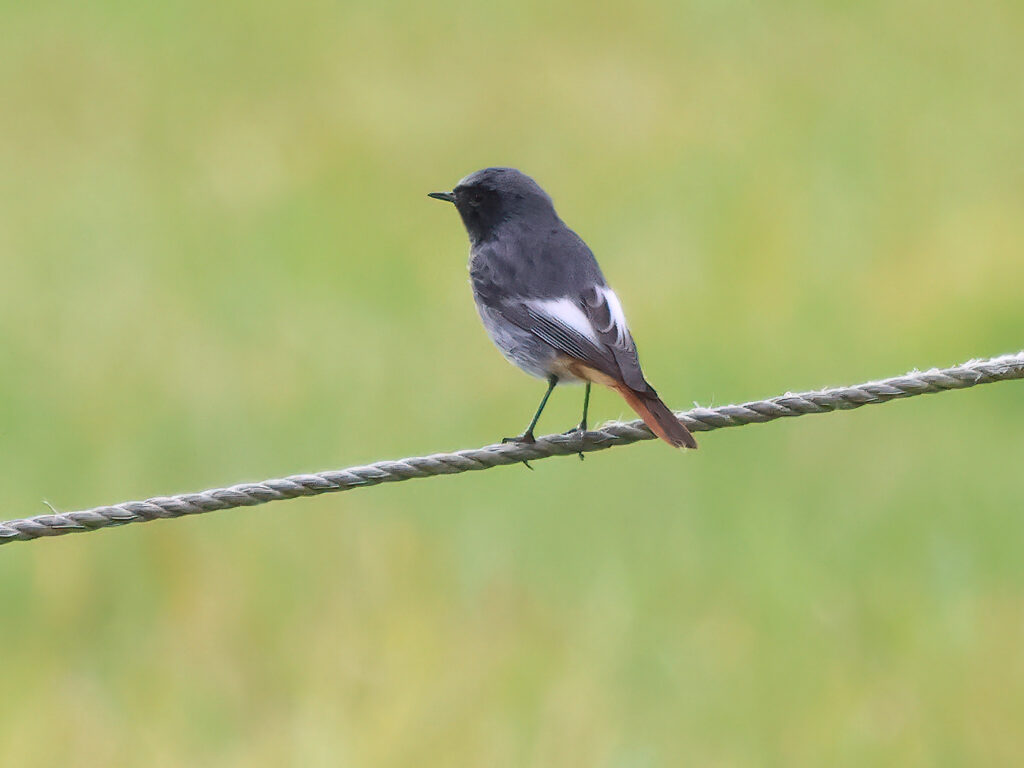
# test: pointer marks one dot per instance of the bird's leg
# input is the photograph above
(586, 404)
(583, 422)
(527, 436)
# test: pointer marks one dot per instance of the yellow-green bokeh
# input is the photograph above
(218, 263)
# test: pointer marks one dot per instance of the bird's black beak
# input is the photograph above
(447, 196)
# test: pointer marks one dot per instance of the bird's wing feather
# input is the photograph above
(562, 324)
(590, 328)
(584, 323)
(604, 311)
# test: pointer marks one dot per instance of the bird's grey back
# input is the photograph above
(524, 259)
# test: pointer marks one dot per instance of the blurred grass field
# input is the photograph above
(219, 264)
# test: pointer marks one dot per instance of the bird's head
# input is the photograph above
(488, 198)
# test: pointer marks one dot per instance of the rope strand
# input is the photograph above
(915, 383)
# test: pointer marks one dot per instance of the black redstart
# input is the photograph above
(543, 299)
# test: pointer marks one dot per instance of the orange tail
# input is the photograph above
(658, 417)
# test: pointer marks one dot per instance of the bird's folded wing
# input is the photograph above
(590, 327)
(604, 311)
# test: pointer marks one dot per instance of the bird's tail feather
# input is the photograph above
(657, 417)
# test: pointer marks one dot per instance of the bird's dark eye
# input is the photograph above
(477, 199)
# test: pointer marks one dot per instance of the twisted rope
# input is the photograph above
(915, 383)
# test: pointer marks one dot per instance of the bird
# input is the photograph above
(544, 301)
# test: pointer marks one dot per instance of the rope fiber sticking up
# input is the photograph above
(915, 383)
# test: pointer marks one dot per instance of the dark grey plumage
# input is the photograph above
(542, 297)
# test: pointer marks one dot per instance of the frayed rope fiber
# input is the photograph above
(915, 383)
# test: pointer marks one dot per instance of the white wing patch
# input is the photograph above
(568, 313)
(618, 317)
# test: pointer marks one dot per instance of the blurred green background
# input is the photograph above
(219, 264)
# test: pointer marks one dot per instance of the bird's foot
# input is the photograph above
(526, 438)
(581, 430)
